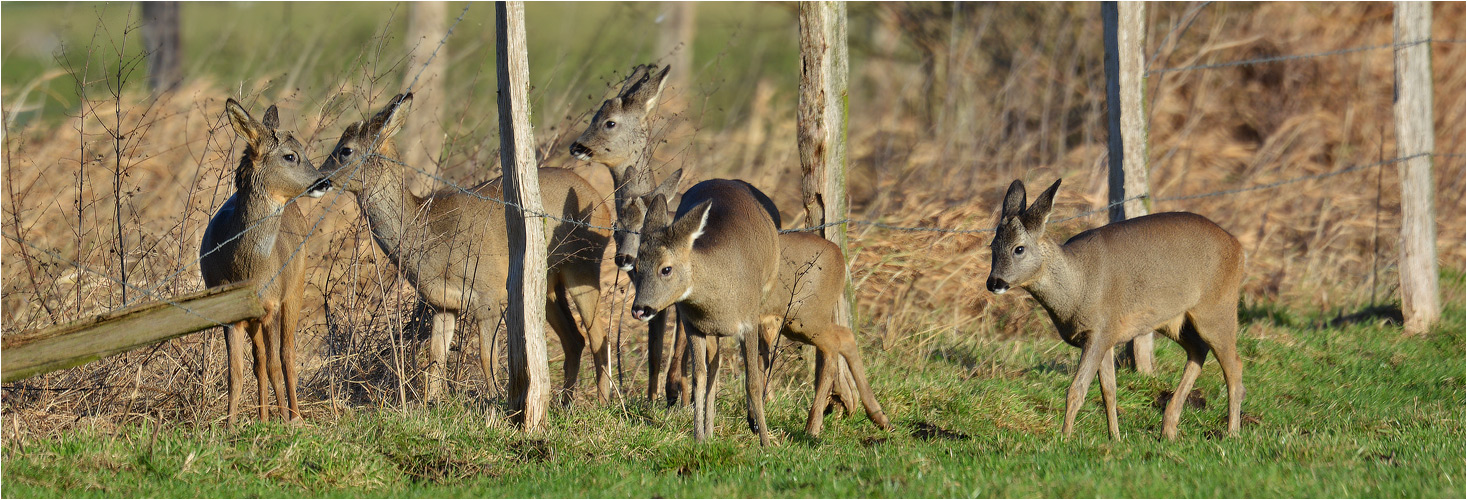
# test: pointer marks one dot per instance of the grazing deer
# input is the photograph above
(453, 247)
(1175, 273)
(257, 236)
(720, 263)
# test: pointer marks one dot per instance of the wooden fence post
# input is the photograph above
(679, 26)
(821, 124)
(529, 381)
(163, 41)
(1125, 82)
(86, 340)
(1416, 141)
(423, 131)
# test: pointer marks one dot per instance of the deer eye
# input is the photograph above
(1019, 250)
(667, 271)
(610, 124)
(344, 152)
(290, 157)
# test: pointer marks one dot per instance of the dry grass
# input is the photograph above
(1014, 101)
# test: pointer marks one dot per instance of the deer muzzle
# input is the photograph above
(625, 262)
(997, 285)
(580, 151)
(319, 188)
(643, 313)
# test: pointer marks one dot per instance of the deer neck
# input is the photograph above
(261, 215)
(389, 208)
(1059, 284)
(634, 177)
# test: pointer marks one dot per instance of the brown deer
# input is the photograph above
(453, 247)
(257, 236)
(1175, 273)
(720, 262)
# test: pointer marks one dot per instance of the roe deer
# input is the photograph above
(453, 248)
(1176, 273)
(255, 236)
(720, 262)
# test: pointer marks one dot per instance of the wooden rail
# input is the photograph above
(83, 341)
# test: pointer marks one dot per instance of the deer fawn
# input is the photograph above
(720, 262)
(1176, 273)
(255, 236)
(452, 246)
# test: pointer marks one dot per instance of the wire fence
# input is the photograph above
(357, 163)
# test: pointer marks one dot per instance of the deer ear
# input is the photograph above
(690, 226)
(390, 119)
(244, 125)
(657, 217)
(650, 90)
(634, 80)
(1013, 200)
(1037, 214)
(634, 216)
(668, 188)
(272, 118)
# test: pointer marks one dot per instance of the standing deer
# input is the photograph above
(257, 236)
(619, 138)
(1175, 273)
(453, 247)
(720, 263)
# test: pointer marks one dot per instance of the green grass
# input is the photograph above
(1353, 411)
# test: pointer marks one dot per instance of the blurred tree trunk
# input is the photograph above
(529, 380)
(423, 132)
(162, 40)
(675, 41)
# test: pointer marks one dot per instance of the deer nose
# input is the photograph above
(319, 188)
(643, 313)
(997, 285)
(580, 151)
(624, 262)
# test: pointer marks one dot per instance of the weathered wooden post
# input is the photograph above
(162, 39)
(423, 133)
(821, 125)
(1416, 141)
(1125, 82)
(529, 382)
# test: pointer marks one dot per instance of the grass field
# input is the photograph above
(1331, 411)
(949, 102)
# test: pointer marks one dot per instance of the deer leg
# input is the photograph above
(852, 354)
(485, 328)
(754, 382)
(1108, 392)
(444, 323)
(1232, 368)
(1196, 355)
(289, 316)
(678, 383)
(715, 363)
(584, 289)
(262, 382)
(824, 379)
(656, 331)
(1090, 358)
(571, 342)
(699, 345)
(234, 347)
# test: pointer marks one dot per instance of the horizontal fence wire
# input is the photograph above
(1275, 59)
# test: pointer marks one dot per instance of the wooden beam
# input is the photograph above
(529, 381)
(1125, 82)
(422, 134)
(79, 342)
(1416, 140)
